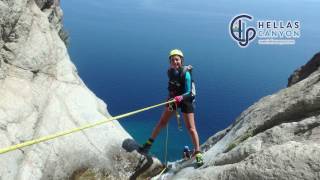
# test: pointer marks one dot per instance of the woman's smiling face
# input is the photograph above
(175, 61)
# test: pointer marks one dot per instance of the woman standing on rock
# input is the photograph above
(182, 90)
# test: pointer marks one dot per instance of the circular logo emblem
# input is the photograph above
(239, 30)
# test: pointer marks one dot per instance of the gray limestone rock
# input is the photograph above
(305, 70)
(42, 94)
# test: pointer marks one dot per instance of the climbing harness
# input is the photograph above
(170, 106)
(71, 131)
(171, 109)
(178, 121)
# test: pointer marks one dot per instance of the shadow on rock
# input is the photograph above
(142, 167)
(147, 166)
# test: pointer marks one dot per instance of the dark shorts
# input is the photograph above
(185, 106)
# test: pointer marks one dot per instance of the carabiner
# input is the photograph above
(170, 105)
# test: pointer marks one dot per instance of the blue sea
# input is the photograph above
(121, 50)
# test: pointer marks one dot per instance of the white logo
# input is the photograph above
(275, 32)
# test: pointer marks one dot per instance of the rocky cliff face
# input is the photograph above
(305, 70)
(278, 137)
(41, 94)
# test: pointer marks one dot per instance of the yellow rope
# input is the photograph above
(52, 136)
(164, 169)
